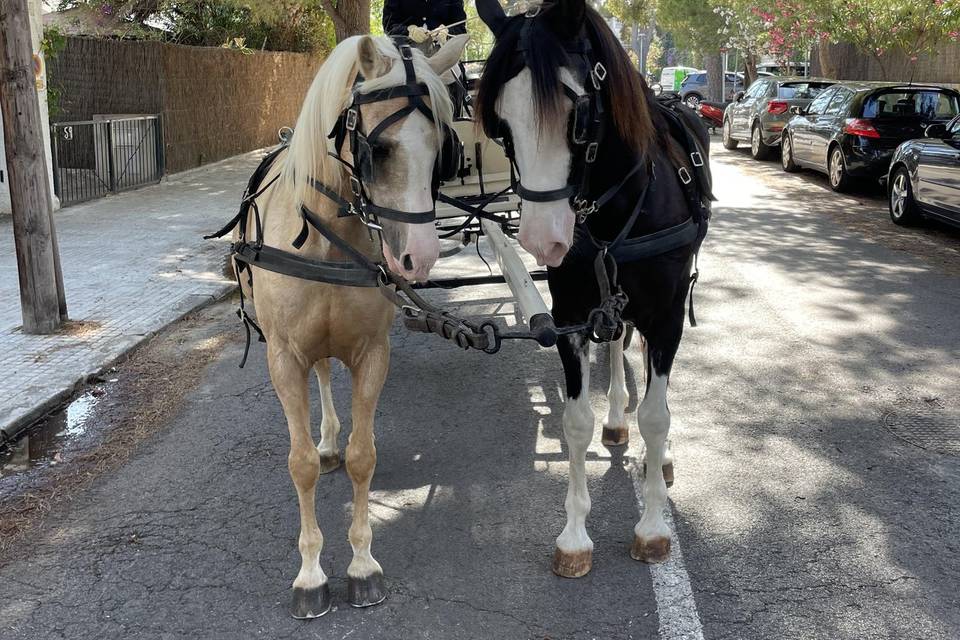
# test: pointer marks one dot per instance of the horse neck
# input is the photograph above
(655, 182)
(283, 221)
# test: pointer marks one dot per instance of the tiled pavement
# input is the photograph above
(132, 263)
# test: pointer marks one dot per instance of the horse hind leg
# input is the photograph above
(311, 593)
(365, 583)
(651, 540)
(668, 452)
(329, 423)
(615, 430)
(573, 557)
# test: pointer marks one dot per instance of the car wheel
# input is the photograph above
(692, 100)
(728, 141)
(903, 208)
(837, 170)
(758, 149)
(786, 155)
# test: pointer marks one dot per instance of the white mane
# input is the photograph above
(329, 95)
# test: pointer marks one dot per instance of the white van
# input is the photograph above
(672, 77)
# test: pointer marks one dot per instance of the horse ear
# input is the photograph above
(373, 64)
(492, 15)
(567, 17)
(448, 55)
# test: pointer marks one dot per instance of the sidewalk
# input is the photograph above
(132, 264)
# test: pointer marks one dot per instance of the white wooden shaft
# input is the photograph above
(515, 273)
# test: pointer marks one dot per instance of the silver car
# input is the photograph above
(759, 115)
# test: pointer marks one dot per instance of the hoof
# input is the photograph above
(310, 603)
(651, 551)
(366, 592)
(572, 564)
(615, 436)
(329, 462)
(667, 473)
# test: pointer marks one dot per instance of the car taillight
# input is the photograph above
(860, 127)
(776, 107)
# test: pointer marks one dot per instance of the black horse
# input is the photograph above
(615, 193)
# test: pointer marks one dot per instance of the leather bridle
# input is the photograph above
(586, 128)
(350, 129)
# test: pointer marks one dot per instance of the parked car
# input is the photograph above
(694, 87)
(759, 115)
(851, 130)
(924, 176)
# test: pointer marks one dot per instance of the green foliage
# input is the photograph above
(51, 45)
(694, 24)
(656, 56)
(878, 27)
(629, 11)
(278, 25)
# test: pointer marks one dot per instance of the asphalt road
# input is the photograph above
(816, 430)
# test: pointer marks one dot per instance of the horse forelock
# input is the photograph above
(330, 94)
(624, 90)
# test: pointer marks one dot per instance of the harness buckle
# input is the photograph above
(406, 52)
(353, 117)
(598, 75)
(592, 150)
(685, 176)
(697, 159)
(356, 187)
(533, 12)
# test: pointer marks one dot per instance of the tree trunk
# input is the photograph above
(350, 17)
(828, 67)
(749, 68)
(714, 66)
(33, 231)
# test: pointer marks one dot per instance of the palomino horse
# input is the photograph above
(604, 178)
(307, 323)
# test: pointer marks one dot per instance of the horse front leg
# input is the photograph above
(365, 584)
(615, 430)
(574, 553)
(329, 422)
(651, 535)
(311, 593)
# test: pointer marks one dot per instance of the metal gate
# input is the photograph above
(107, 154)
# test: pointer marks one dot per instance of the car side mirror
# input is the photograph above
(937, 130)
(739, 96)
(798, 111)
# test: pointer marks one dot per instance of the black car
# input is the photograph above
(851, 130)
(924, 178)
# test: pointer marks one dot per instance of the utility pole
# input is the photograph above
(42, 303)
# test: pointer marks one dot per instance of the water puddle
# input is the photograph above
(42, 444)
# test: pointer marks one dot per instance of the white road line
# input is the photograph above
(676, 607)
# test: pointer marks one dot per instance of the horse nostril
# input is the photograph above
(407, 262)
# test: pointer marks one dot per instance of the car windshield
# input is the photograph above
(801, 90)
(911, 104)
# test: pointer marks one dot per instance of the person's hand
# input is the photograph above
(418, 34)
(441, 34)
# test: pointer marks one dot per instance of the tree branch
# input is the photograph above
(334, 14)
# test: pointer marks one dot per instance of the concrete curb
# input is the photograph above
(12, 429)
